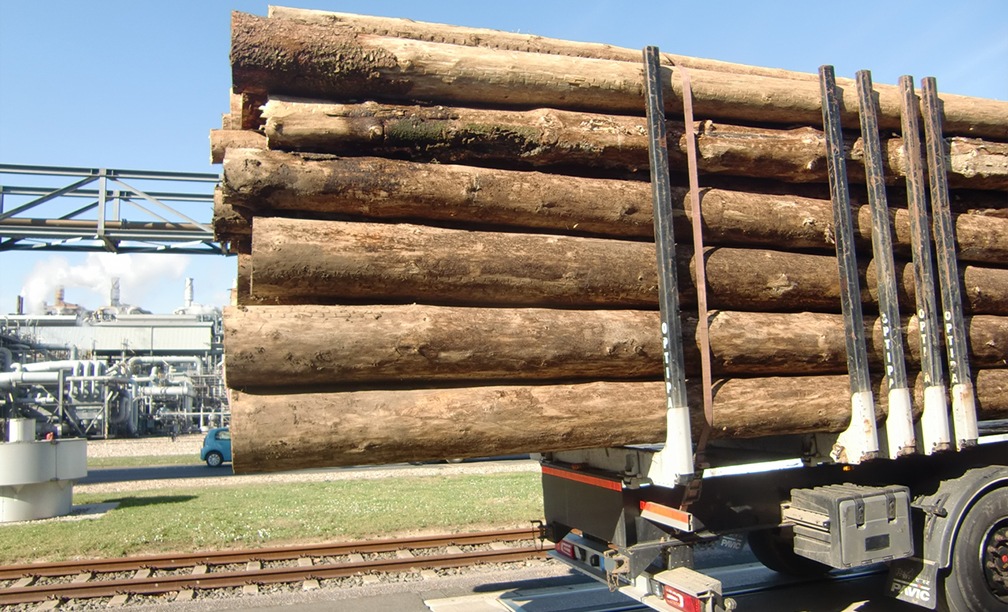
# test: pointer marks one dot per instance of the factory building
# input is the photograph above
(114, 371)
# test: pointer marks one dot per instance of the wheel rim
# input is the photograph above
(215, 459)
(994, 560)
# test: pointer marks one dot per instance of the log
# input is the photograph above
(222, 140)
(228, 221)
(275, 432)
(510, 41)
(266, 183)
(369, 346)
(544, 138)
(243, 281)
(306, 261)
(309, 60)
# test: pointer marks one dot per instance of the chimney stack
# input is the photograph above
(60, 294)
(114, 292)
(20, 305)
(188, 298)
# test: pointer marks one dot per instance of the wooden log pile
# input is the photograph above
(445, 241)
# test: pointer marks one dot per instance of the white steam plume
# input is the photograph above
(138, 274)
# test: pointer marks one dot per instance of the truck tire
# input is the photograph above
(976, 580)
(774, 548)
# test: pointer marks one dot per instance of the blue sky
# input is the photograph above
(138, 85)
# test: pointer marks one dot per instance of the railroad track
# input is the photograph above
(188, 573)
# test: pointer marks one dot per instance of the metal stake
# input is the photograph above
(963, 400)
(934, 419)
(677, 455)
(859, 442)
(899, 422)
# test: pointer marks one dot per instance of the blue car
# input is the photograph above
(216, 447)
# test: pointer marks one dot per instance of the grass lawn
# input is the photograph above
(246, 516)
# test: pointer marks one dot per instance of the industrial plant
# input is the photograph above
(115, 371)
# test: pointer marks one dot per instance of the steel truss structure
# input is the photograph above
(43, 212)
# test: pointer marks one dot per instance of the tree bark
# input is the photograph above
(582, 141)
(296, 261)
(273, 183)
(375, 346)
(302, 59)
(275, 432)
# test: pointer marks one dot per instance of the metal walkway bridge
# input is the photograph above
(99, 209)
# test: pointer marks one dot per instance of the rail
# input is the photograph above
(160, 574)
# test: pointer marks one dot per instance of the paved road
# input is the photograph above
(201, 470)
(558, 589)
(165, 472)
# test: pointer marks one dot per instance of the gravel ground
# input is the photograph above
(347, 596)
(146, 447)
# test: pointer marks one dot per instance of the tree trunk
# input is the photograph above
(309, 430)
(222, 140)
(509, 41)
(229, 221)
(269, 182)
(243, 280)
(583, 141)
(297, 261)
(367, 346)
(340, 65)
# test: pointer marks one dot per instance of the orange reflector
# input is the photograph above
(673, 517)
(612, 485)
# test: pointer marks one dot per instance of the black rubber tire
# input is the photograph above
(966, 585)
(214, 459)
(774, 548)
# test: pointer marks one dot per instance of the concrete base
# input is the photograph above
(36, 478)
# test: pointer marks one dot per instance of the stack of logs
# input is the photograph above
(446, 245)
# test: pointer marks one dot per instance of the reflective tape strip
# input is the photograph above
(673, 517)
(612, 485)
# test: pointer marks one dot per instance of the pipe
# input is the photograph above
(64, 364)
(9, 380)
(165, 391)
(196, 361)
(6, 358)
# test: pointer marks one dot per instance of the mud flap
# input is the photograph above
(914, 581)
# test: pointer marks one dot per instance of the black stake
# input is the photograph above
(899, 422)
(963, 400)
(678, 440)
(860, 441)
(934, 419)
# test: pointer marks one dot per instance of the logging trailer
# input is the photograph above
(925, 493)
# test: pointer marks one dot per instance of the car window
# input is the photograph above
(223, 435)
